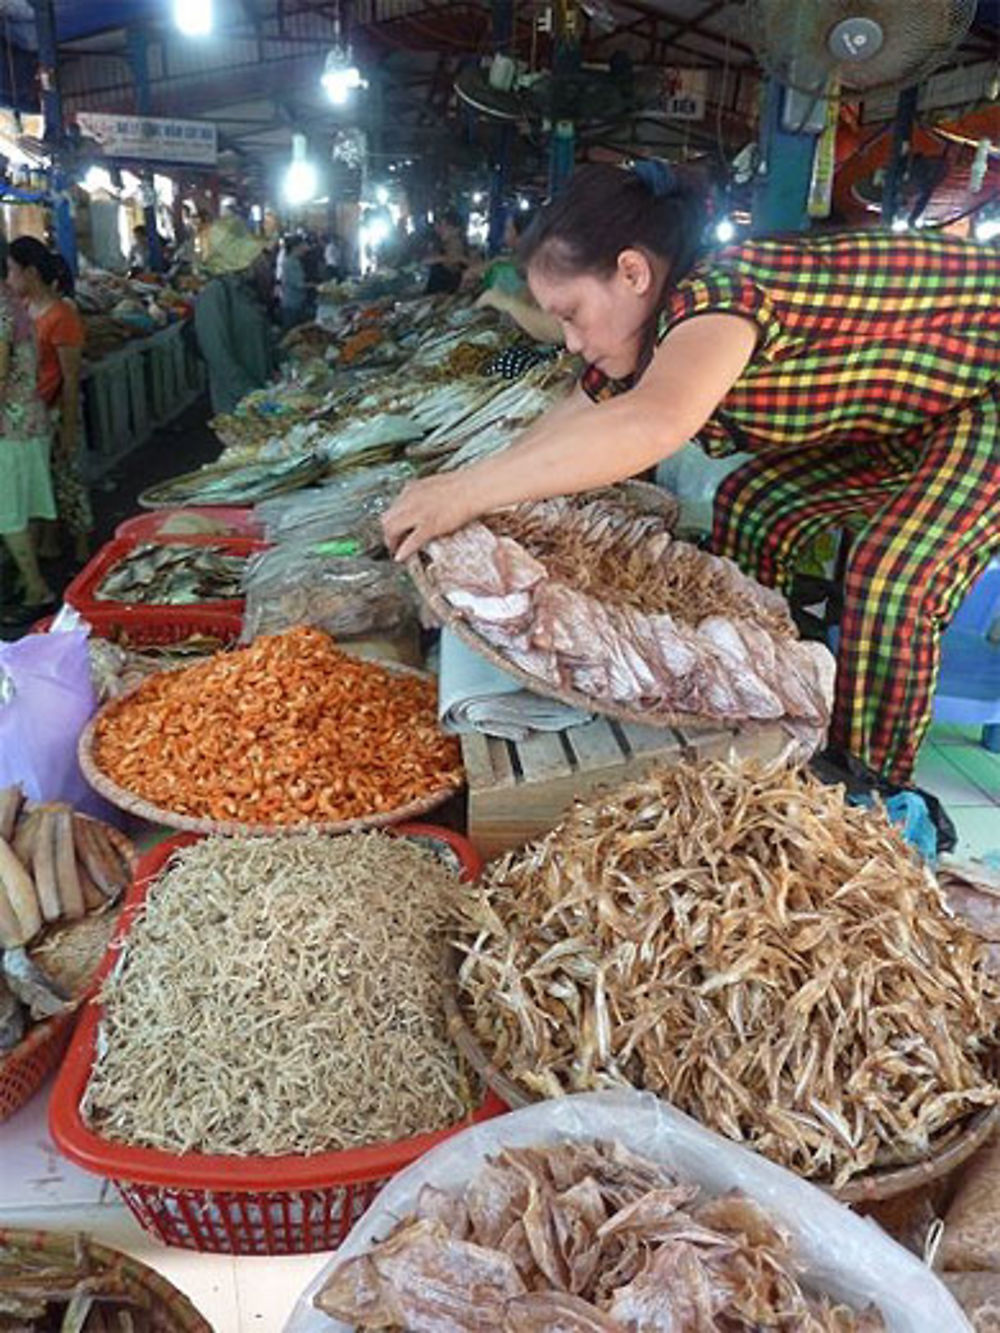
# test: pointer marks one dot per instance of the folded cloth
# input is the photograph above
(474, 695)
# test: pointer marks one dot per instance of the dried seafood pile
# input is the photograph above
(116, 667)
(740, 942)
(588, 595)
(281, 995)
(173, 574)
(585, 1237)
(286, 731)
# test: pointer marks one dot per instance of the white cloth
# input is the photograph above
(474, 695)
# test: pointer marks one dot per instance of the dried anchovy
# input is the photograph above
(281, 995)
(741, 942)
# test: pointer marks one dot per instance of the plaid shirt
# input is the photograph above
(861, 335)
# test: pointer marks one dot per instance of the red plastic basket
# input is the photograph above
(248, 1205)
(142, 628)
(24, 1069)
(80, 593)
(239, 522)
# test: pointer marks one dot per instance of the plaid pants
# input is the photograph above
(932, 502)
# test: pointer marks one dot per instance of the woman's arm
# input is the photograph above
(70, 359)
(583, 447)
(544, 328)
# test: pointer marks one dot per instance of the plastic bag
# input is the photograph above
(46, 699)
(841, 1253)
(303, 583)
(694, 478)
(347, 508)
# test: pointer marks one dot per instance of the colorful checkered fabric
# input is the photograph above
(872, 394)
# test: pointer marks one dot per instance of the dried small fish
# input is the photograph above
(174, 574)
(741, 942)
(614, 1243)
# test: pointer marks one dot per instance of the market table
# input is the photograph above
(43, 1190)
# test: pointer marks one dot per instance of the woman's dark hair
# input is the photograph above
(27, 252)
(64, 280)
(606, 209)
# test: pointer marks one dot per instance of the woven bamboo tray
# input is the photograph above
(648, 499)
(154, 814)
(955, 1147)
(170, 1311)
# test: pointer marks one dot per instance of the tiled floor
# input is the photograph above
(955, 767)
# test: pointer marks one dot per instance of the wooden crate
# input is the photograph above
(520, 789)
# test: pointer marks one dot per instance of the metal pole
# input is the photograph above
(503, 37)
(781, 192)
(899, 152)
(48, 75)
(138, 54)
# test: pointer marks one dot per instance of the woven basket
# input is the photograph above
(154, 814)
(24, 1069)
(648, 499)
(170, 1310)
(954, 1148)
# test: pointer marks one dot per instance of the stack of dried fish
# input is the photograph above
(745, 945)
(582, 1237)
(173, 574)
(59, 875)
(281, 995)
(586, 595)
(116, 668)
(241, 485)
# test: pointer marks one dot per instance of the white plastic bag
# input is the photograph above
(842, 1254)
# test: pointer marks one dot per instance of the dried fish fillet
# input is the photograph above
(722, 1265)
(746, 945)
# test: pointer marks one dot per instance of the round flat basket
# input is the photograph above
(873, 1186)
(168, 1310)
(155, 814)
(648, 499)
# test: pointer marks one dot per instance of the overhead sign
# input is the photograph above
(152, 139)
(683, 93)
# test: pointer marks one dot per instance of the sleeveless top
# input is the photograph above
(860, 336)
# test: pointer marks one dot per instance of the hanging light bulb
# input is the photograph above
(340, 75)
(300, 178)
(725, 231)
(193, 17)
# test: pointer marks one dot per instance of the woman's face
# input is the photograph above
(603, 319)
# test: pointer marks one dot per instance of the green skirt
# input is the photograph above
(25, 482)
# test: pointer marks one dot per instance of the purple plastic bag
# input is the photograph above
(46, 699)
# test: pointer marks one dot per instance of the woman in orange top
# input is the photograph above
(59, 335)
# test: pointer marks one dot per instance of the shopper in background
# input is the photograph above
(861, 370)
(138, 256)
(294, 286)
(449, 255)
(59, 338)
(333, 258)
(25, 439)
(506, 289)
(230, 321)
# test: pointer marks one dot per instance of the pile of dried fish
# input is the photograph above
(745, 945)
(281, 995)
(64, 1284)
(589, 596)
(241, 485)
(59, 875)
(585, 1237)
(173, 574)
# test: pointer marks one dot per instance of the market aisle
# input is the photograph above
(966, 778)
(41, 1189)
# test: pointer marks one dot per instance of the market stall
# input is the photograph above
(624, 879)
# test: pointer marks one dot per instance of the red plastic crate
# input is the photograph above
(240, 522)
(229, 1205)
(80, 592)
(156, 629)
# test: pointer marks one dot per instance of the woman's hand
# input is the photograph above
(427, 509)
